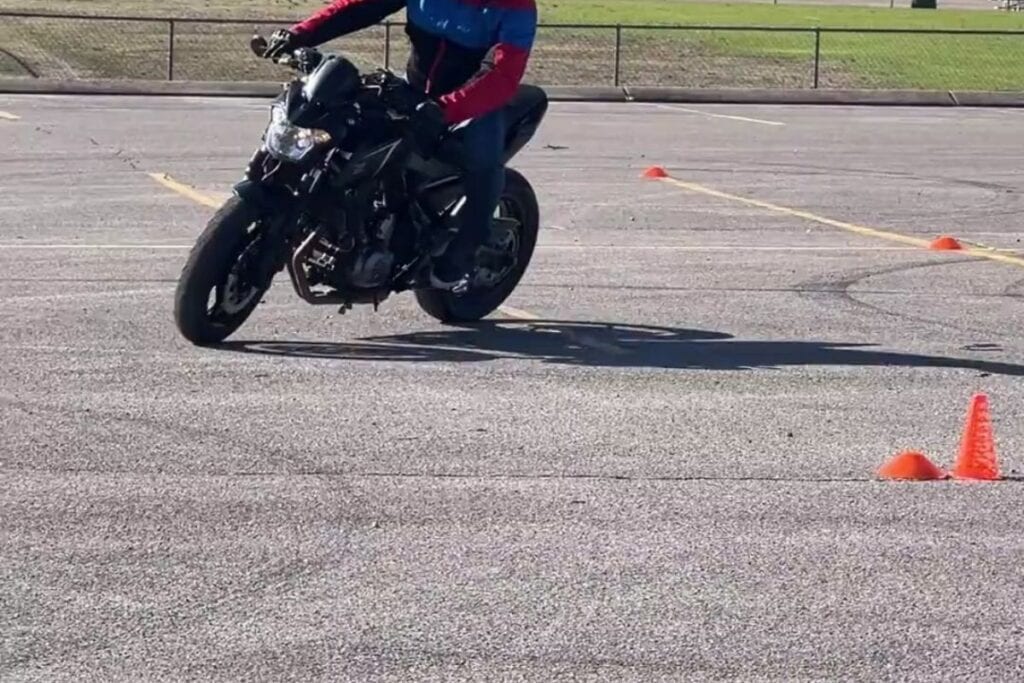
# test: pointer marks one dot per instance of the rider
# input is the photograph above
(469, 57)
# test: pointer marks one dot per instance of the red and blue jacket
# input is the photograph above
(469, 54)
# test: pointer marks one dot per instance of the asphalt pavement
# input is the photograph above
(656, 463)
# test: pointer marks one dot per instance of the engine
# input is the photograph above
(350, 262)
(373, 261)
(370, 268)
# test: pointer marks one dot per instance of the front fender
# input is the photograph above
(266, 199)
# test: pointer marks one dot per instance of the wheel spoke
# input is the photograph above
(235, 293)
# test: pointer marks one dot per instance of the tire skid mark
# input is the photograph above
(1015, 289)
(167, 427)
(980, 209)
(825, 287)
(836, 287)
(272, 576)
(823, 169)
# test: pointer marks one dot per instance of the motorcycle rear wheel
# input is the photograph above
(214, 295)
(518, 203)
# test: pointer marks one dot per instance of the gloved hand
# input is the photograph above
(426, 127)
(282, 41)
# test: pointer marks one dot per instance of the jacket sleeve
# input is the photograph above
(342, 17)
(501, 71)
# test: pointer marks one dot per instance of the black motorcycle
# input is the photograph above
(340, 196)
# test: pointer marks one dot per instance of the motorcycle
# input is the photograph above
(338, 195)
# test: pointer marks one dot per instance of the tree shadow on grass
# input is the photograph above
(593, 344)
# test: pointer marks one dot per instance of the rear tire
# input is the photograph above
(213, 260)
(519, 200)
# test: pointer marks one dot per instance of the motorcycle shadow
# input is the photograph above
(598, 344)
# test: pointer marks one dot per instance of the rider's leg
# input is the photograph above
(484, 179)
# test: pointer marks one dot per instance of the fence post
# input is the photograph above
(817, 55)
(387, 45)
(170, 50)
(618, 53)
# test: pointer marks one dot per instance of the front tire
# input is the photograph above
(214, 295)
(519, 203)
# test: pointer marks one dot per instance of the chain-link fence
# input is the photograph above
(73, 47)
(961, 60)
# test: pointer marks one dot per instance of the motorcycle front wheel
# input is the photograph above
(219, 288)
(510, 248)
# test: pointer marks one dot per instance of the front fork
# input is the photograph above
(274, 210)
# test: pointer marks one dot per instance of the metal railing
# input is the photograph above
(65, 46)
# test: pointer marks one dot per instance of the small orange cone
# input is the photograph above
(911, 465)
(977, 457)
(945, 243)
(655, 172)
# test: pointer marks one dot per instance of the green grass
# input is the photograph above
(757, 14)
(692, 58)
(659, 12)
(847, 60)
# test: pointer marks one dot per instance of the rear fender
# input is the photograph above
(527, 121)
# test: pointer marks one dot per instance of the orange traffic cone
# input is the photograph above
(977, 457)
(655, 172)
(911, 465)
(945, 243)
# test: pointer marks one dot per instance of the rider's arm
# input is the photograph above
(502, 69)
(342, 17)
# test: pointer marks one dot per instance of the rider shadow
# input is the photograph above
(590, 344)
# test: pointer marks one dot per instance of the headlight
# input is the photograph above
(286, 141)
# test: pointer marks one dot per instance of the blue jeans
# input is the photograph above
(483, 177)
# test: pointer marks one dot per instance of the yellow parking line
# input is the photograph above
(184, 190)
(6, 116)
(570, 334)
(517, 313)
(843, 225)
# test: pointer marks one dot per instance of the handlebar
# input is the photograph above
(395, 92)
(303, 59)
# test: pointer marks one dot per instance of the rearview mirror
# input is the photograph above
(258, 44)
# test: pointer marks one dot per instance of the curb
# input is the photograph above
(914, 98)
(33, 86)
(972, 98)
(917, 98)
